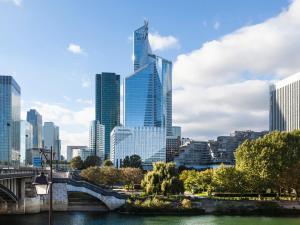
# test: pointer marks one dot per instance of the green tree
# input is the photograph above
(109, 176)
(134, 161)
(92, 174)
(131, 176)
(160, 180)
(228, 179)
(76, 163)
(92, 160)
(107, 162)
(265, 160)
(126, 162)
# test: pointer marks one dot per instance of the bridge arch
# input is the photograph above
(112, 200)
(7, 195)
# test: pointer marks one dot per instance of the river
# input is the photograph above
(84, 218)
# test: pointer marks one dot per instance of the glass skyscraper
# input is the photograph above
(148, 91)
(35, 119)
(108, 104)
(10, 109)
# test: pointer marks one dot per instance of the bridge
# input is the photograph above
(13, 185)
(63, 186)
(17, 193)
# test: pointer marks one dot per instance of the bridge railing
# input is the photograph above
(13, 173)
(89, 186)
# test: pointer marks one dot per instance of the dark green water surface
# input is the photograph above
(83, 218)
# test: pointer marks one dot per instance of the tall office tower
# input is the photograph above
(108, 104)
(35, 119)
(284, 114)
(148, 91)
(51, 138)
(25, 139)
(97, 139)
(10, 110)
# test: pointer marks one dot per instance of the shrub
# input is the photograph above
(186, 203)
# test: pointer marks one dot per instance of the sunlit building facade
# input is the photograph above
(284, 113)
(147, 142)
(10, 110)
(97, 139)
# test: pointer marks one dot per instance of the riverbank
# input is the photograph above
(175, 206)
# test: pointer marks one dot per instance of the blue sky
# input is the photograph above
(35, 36)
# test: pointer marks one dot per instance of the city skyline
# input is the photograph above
(222, 82)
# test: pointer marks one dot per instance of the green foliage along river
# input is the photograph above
(80, 218)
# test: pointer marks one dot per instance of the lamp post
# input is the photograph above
(9, 147)
(43, 186)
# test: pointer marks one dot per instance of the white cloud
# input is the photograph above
(217, 25)
(74, 48)
(223, 86)
(74, 124)
(15, 2)
(66, 98)
(85, 83)
(84, 101)
(159, 42)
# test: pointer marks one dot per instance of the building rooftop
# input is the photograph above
(291, 79)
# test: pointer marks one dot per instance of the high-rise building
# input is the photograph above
(51, 138)
(35, 119)
(148, 91)
(83, 152)
(147, 142)
(108, 104)
(284, 111)
(10, 110)
(25, 139)
(97, 139)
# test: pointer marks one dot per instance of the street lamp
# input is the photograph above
(42, 185)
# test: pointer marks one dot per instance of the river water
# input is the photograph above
(83, 218)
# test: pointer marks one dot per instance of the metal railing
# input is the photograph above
(89, 186)
(10, 173)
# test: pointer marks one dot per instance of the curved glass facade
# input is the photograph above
(148, 91)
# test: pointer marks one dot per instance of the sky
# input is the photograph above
(224, 53)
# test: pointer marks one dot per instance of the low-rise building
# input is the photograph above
(147, 142)
(193, 154)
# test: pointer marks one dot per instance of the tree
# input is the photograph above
(92, 160)
(197, 182)
(92, 174)
(109, 175)
(228, 179)
(101, 175)
(77, 163)
(265, 161)
(131, 176)
(107, 162)
(162, 180)
(134, 161)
